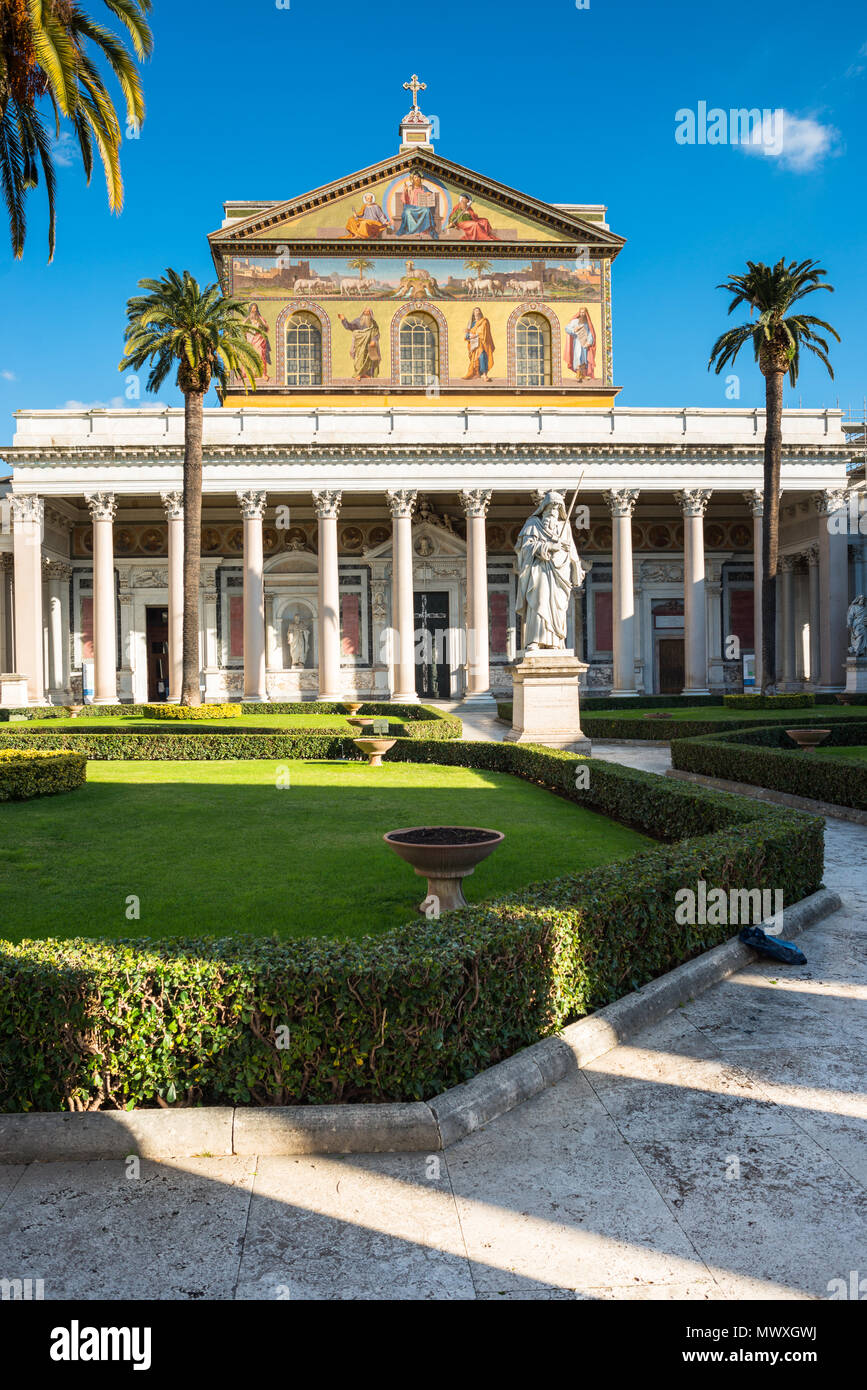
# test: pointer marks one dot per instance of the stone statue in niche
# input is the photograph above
(298, 636)
(549, 568)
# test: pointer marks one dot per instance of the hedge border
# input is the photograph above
(412, 1126)
(596, 726)
(29, 772)
(766, 757)
(190, 742)
(410, 1013)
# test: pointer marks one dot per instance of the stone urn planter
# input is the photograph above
(374, 748)
(352, 706)
(444, 855)
(808, 739)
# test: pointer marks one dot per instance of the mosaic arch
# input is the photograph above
(442, 339)
(299, 306)
(532, 306)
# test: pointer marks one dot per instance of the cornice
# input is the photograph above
(228, 455)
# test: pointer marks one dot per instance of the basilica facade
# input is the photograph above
(437, 353)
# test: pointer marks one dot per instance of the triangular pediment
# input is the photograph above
(335, 214)
(430, 540)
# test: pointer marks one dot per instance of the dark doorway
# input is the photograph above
(431, 623)
(157, 639)
(671, 665)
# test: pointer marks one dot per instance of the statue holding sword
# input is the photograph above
(549, 567)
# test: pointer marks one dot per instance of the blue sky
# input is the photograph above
(268, 100)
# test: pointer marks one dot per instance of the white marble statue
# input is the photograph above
(299, 639)
(548, 569)
(857, 620)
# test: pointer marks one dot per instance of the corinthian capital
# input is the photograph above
(27, 506)
(101, 505)
(693, 500)
(830, 499)
(621, 501)
(475, 500)
(401, 501)
(755, 500)
(252, 505)
(326, 504)
(174, 505)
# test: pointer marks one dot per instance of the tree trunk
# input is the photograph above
(191, 693)
(771, 526)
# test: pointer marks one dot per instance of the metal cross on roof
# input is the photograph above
(415, 87)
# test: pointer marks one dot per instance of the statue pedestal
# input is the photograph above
(856, 675)
(545, 701)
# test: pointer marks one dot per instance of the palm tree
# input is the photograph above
(47, 50)
(480, 264)
(361, 264)
(205, 333)
(777, 338)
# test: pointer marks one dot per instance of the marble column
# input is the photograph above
(401, 502)
(787, 620)
(252, 506)
(693, 503)
(58, 630)
(174, 505)
(27, 521)
(756, 504)
(475, 503)
(102, 507)
(327, 507)
(7, 625)
(815, 613)
(831, 505)
(621, 504)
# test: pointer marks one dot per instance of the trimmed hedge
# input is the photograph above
(417, 722)
(402, 1016)
(172, 711)
(673, 730)
(767, 757)
(28, 772)
(805, 700)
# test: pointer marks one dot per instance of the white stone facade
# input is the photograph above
(356, 529)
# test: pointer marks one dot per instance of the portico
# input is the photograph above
(386, 567)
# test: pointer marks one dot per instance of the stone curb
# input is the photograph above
(416, 1126)
(797, 803)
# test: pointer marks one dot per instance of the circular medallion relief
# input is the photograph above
(659, 536)
(210, 540)
(152, 540)
(602, 537)
(352, 538)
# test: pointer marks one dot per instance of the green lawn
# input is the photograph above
(221, 848)
(817, 714)
(857, 753)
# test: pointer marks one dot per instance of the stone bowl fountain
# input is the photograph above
(444, 855)
(361, 721)
(808, 739)
(352, 706)
(374, 748)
